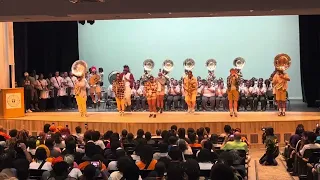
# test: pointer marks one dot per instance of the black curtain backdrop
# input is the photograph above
(310, 57)
(45, 46)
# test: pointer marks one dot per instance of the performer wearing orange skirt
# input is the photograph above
(161, 82)
(233, 82)
(151, 88)
(280, 82)
(190, 86)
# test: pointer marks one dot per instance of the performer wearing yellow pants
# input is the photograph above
(81, 95)
(190, 85)
(151, 87)
(280, 82)
(233, 82)
(118, 88)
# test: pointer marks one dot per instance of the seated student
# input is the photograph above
(193, 140)
(54, 151)
(146, 159)
(158, 134)
(158, 172)
(184, 147)
(40, 160)
(74, 171)
(127, 170)
(237, 144)
(222, 172)
(205, 159)
(32, 145)
(113, 164)
(192, 169)
(97, 141)
(129, 139)
(91, 150)
(312, 145)
(148, 138)
(124, 134)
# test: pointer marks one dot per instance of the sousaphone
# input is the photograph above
(239, 63)
(148, 65)
(281, 62)
(189, 64)
(211, 64)
(112, 76)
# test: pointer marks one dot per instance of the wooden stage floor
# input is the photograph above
(249, 122)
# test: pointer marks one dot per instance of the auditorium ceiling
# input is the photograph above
(63, 10)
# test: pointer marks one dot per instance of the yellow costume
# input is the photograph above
(190, 86)
(81, 96)
(94, 83)
(280, 86)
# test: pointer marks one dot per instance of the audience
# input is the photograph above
(146, 159)
(148, 138)
(236, 144)
(40, 160)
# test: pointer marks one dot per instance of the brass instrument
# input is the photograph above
(112, 76)
(211, 64)
(239, 63)
(167, 66)
(281, 62)
(189, 64)
(148, 65)
(79, 69)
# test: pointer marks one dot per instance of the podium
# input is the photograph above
(12, 103)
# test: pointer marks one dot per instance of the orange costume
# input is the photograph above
(190, 86)
(280, 82)
(151, 94)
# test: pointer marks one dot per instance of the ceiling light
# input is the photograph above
(91, 22)
(82, 22)
(251, 10)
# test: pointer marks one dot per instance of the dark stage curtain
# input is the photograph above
(310, 57)
(45, 46)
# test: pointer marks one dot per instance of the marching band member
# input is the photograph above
(94, 82)
(161, 80)
(63, 90)
(183, 95)
(221, 95)
(70, 90)
(151, 88)
(233, 81)
(211, 76)
(101, 74)
(280, 81)
(260, 92)
(247, 95)
(57, 88)
(44, 92)
(128, 78)
(118, 88)
(208, 95)
(269, 92)
(138, 98)
(190, 85)
(173, 95)
(80, 90)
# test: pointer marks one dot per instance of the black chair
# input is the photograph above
(195, 150)
(129, 148)
(205, 173)
(36, 174)
(302, 162)
(144, 173)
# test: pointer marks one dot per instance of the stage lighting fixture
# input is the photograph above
(79, 1)
(91, 22)
(82, 22)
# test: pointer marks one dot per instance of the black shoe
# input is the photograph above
(150, 115)
(231, 114)
(160, 110)
(154, 116)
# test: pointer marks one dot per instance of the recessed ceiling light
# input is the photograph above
(169, 12)
(149, 14)
(251, 10)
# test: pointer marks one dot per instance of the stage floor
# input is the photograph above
(250, 123)
(168, 117)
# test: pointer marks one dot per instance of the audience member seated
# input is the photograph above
(32, 145)
(237, 144)
(311, 138)
(130, 139)
(124, 134)
(163, 148)
(148, 138)
(175, 154)
(40, 160)
(172, 141)
(106, 138)
(74, 171)
(78, 133)
(192, 169)
(60, 170)
(207, 145)
(193, 140)
(90, 151)
(139, 139)
(126, 170)
(158, 134)
(158, 172)
(3, 135)
(111, 153)
(146, 159)
(205, 159)
(182, 134)
(222, 172)
(113, 164)
(184, 147)
(58, 140)
(226, 134)
(96, 139)
(54, 151)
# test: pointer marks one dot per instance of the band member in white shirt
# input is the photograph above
(260, 92)
(247, 95)
(63, 90)
(128, 78)
(174, 93)
(211, 76)
(269, 92)
(182, 100)
(101, 74)
(221, 94)
(57, 88)
(199, 95)
(42, 85)
(70, 90)
(208, 95)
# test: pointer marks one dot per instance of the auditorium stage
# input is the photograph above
(249, 122)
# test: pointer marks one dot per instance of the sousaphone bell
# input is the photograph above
(148, 65)
(211, 64)
(281, 62)
(112, 76)
(167, 66)
(189, 64)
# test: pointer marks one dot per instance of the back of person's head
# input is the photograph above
(163, 147)
(175, 153)
(57, 138)
(87, 135)
(174, 127)
(192, 137)
(312, 137)
(172, 140)
(207, 129)
(164, 134)
(91, 149)
(124, 133)
(46, 128)
(107, 135)
(140, 133)
(90, 171)
(182, 144)
(41, 154)
(71, 145)
(214, 138)
(130, 137)
(221, 172)
(22, 167)
(147, 136)
(175, 171)
(269, 131)
(158, 132)
(95, 135)
(69, 158)
(115, 137)
(192, 169)
(78, 129)
(237, 136)
(226, 157)
(205, 155)
(6, 159)
(114, 145)
(207, 145)
(13, 133)
(200, 131)
(227, 129)
(190, 130)
(49, 143)
(128, 168)
(120, 153)
(182, 133)
(146, 154)
(32, 142)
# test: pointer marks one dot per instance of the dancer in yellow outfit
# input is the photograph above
(233, 82)
(190, 86)
(151, 87)
(81, 95)
(280, 82)
(118, 88)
